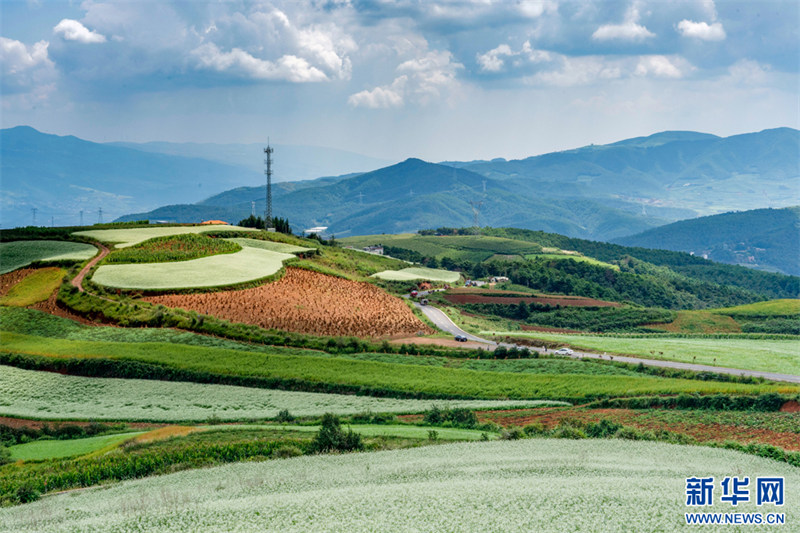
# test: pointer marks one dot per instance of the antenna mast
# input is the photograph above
(268, 213)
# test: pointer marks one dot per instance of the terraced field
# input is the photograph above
(17, 254)
(308, 302)
(281, 247)
(419, 273)
(216, 271)
(123, 237)
(529, 485)
(29, 286)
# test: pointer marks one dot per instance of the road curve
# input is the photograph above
(443, 322)
(77, 281)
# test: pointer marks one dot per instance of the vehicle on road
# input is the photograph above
(461, 338)
(423, 302)
(564, 351)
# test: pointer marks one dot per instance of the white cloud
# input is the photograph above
(536, 8)
(579, 71)
(629, 30)
(748, 72)
(72, 30)
(702, 30)
(28, 74)
(492, 61)
(237, 61)
(659, 67)
(422, 80)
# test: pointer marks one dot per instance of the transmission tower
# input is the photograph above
(81, 217)
(100, 215)
(253, 209)
(268, 212)
(33, 209)
(361, 198)
(476, 211)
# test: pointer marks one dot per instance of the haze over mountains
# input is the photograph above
(596, 192)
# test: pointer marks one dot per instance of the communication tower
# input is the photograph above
(268, 213)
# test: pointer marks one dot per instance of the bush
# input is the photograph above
(603, 429)
(5, 455)
(331, 437)
(512, 433)
(27, 492)
(457, 417)
(285, 416)
(534, 429)
(286, 451)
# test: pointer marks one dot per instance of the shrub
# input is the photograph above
(536, 428)
(603, 429)
(457, 417)
(512, 433)
(5, 455)
(331, 437)
(27, 492)
(286, 451)
(285, 416)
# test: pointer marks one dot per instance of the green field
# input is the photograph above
(580, 258)
(470, 247)
(123, 238)
(281, 247)
(54, 449)
(419, 273)
(17, 254)
(530, 485)
(183, 247)
(36, 287)
(386, 378)
(216, 271)
(51, 396)
(785, 307)
(782, 356)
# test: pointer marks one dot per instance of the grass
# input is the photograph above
(782, 356)
(579, 258)
(270, 245)
(474, 248)
(771, 308)
(419, 273)
(216, 271)
(51, 396)
(34, 288)
(338, 374)
(54, 449)
(699, 322)
(546, 485)
(17, 254)
(129, 237)
(172, 248)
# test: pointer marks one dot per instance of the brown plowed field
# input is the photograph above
(562, 301)
(10, 279)
(308, 302)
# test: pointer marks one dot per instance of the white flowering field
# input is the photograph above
(124, 237)
(46, 395)
(529, 485)
(418, 273)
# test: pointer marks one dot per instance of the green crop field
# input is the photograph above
(419, 273)
(385, 377)
(216, 271)
(783, 307)
(36, 287)
(580, 258)
(781, 356)
(403, 431)
(54, 449)
(17, 254)
(51, 396)
(182, 247)
(271, 246)
(538, 485)
(470, 247)
(128, 237)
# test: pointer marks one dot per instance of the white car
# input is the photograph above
(564, 351)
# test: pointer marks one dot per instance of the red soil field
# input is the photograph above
(308, 302)
(10, 279)
(485, 297)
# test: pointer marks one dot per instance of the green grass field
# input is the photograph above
(36, 287)
(271, 246)
(784, 307)
(123, 238)
(538, 485)
(580, 258)
(471, 247)
(387, 377)
(51, 396)
(54, 449)
(782, 356)
(184, 247)
(216, 271)
(699, 322)
(17, 254)
(419, 273)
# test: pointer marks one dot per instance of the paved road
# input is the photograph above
(443, 322)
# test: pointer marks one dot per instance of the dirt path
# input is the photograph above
(77, 281)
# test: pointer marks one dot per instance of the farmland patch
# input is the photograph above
(484, 297)
(216, 271)
(419, 273)
(173, 248)
(308, 302)
(281, 247)
(128, 237)
(17, 254)
(36, 286)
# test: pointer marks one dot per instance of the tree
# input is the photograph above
(331, 437)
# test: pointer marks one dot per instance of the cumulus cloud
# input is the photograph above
(72, 30)
(493, 60)
(748, 72)
(237, 61)
(702, 30)
(629, 30)
(422, 80)
(28, 74)
(588, 70)
(659, 67)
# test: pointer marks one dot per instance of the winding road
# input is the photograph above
(443, 322)
(77, 281)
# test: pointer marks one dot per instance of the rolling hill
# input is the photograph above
(767, 239)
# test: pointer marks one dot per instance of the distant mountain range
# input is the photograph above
(767, 239)
(595, 192)
(61, 176)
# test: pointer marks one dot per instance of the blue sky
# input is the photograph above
(435, 79)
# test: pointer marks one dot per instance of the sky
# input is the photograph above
(439, 80)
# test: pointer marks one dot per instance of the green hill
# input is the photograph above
(767, 239)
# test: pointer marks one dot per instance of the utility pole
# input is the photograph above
(268, 212)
